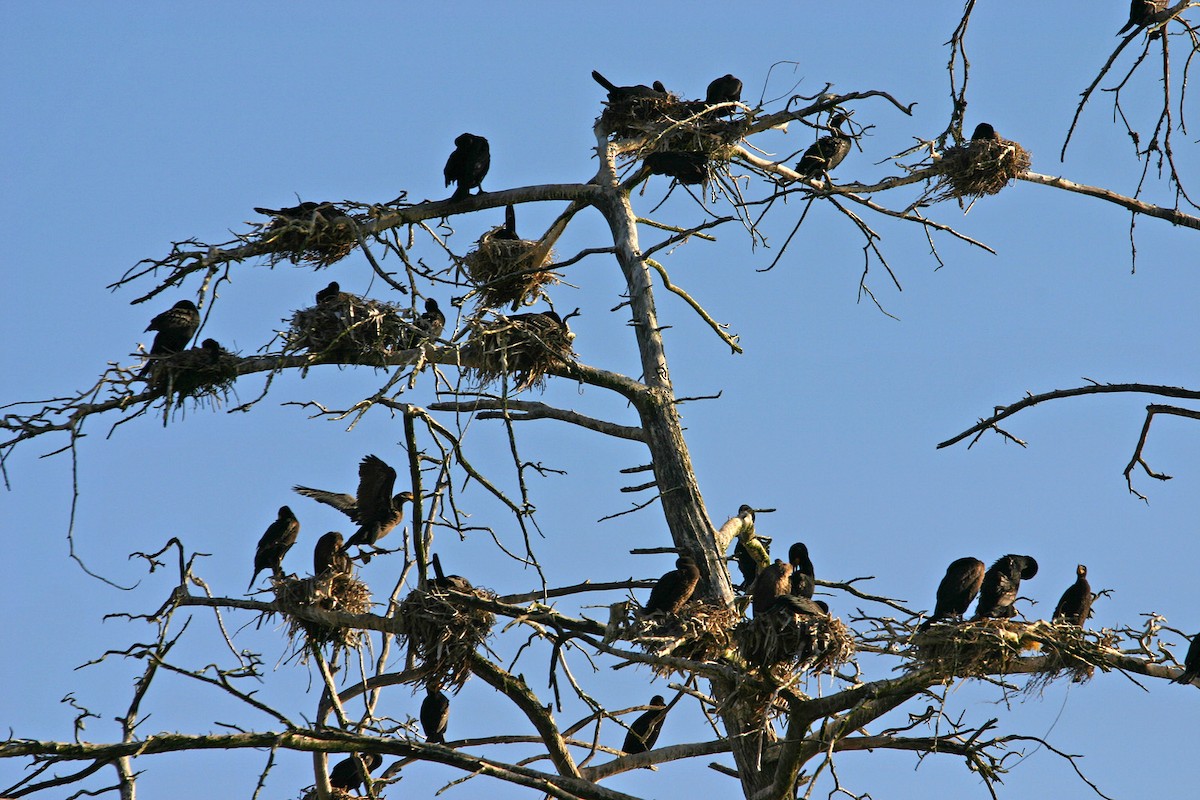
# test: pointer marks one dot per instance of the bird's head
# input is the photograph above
(1029, 567)
(797, 553)
(1081, 571)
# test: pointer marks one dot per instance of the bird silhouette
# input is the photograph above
(621, 94)
(827, 152)
(435, 714)
(725, 89)
(643, 733)
(672, 591)
(1143, 13)
(1075, 605)
(274, 544)
(348, 774)
(958, 588)
(803, 580)
(175, 328)
(468, 164)
(1191, 663)
(998, 591)
(773, 582)
(985, 132)
(376, 510)
(329, 556)
(441, 581)
(687, 168)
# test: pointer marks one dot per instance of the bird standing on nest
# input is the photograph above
(329, 293)
(468, 164)
(508, 232)
(433, 321)
(958, 588)
(435, 715)
(1075, 605)
(307, 211)
(772, 583)
(442, 581)
(621, 94)
(349, 775)
(643, 733)
(827, 152)
(803, 580)
(274, 544)
(998, 591)
(984, 132)
(375, 508)
(175, 328)
(675, 588)
(328, 556)
(725, 89)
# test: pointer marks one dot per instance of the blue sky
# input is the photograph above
(127, 127)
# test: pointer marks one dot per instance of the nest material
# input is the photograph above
(443, 635)
(524, 348)
(979, 167)
(508, 271)
(780, 645)
(323, 238)
(670, 125)
(200, 373)
(347, 327)
(699, 632)
(331, 592)
(335, 793)
(991, 646)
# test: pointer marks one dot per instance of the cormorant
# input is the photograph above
(433, 321)
(435, 713)
(329, 555)
(375, 509)
(1075, 605)
(725, 89)
(468, 164)
(330, 292)
(620, 94)
(1191, 663)
(274, 544)
(985, 132)
(509, 231)
(1143, 13)
(803, 581)
(958, 588)
(674, 588)
(176, 326)
(443, 581)
(1000, 583)
(687, 168)
(348, 773)
(643, 733)
(827, 152)
(307, 211)
(772, 583)
(212, 348)
(799, 606)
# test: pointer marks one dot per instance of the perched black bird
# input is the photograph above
(212, 348)
(1143, 13)
(725, 89)
(827, 152)
(443, 581)
(1000, 583)
(799, 606)
(433, 321)
(330, 292)
(1191, 663)
(674, 588)
(1075, 605)
(509, 231)
(329, 555)
(176, 326)
(687, 168)
(274, 544)
(985, 132)
(375, 509)
(803, 581)
(621, 94)
(307, 211)
(348, 774)
(435, 713)
(643, 733)
(958, 588)
(468, 164)
(772, 583)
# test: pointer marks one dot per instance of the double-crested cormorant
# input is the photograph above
(330, 292)
(329, 555)
(799, 606)
(1191, 663)
(443, 581)
(212, 348)
(307, 210)
(725, 89)
(643, 733)
(348, 774)
(435, 714)
(620, 94)
(274, 544)
(176, 326)
(985, 132)
(827, 152)
(375, 509)
(771, 584)
(468, 164)
(1000, 583)
(509, 230)
(675, 588)
(687, 168)
(803, 581)
(1075, 605)
(433, 321)
(1143, 13)
(958, 588)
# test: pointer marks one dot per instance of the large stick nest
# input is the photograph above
(979, 167)
(336, 793)
(331, 592)
(525, 348)
(325, 237)
(508, 271)
(205, 374)
(443, 635)
(671, 125)
(347, 327)
(992, 646)
(780, 645)
(699, 632)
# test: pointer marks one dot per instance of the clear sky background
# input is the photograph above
(127, 126)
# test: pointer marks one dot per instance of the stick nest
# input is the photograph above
(335, 794)
(992, 646)
(699, 632)
(979, 167)
(780, 645)
(333, 592)
(321, 239)
(443, 636)
(347, 327)
(524, 348)
(671, 125)
(203, 374)
(508, 271)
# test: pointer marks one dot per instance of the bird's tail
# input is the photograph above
(603, 81)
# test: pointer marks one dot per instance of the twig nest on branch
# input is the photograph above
(346, 327)
(335, 591)
(524, 347)
(979, 167)
(779, 644)
(319, 238)
(443, 635)
(683, 139)
(335, 793)
(202, 373)
(508, 271)
(699, 632)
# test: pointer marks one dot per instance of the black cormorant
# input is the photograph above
(1075, 605)
(687, 168)
(468, 164)
(620, 94)
(433, 321)
(675, 588)
(274, 544)
(725, 89)
(827, 152)
(348, 773)
(799, 606)
(435, 713)
(1143, 13)
(508, 231)
(443, 581)
(175, 328)
(772, 583)
(375, 508)
(330, 292)
(329, 555)
(1191, 663)
(803, 581)
(998, 591)
(643, 733)
(306, 211)
(958, 588)
(985, 132)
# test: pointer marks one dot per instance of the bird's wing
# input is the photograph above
(345, 503)
(375, 483)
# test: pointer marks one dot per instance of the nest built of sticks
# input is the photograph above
(780, 645)
(331, 592)
(323, 237)
(992, 646)
(508, 271)
(201, 373)
(699, 632)
(524, 347)
(347, 327)
(978, 167)
(443, 635)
